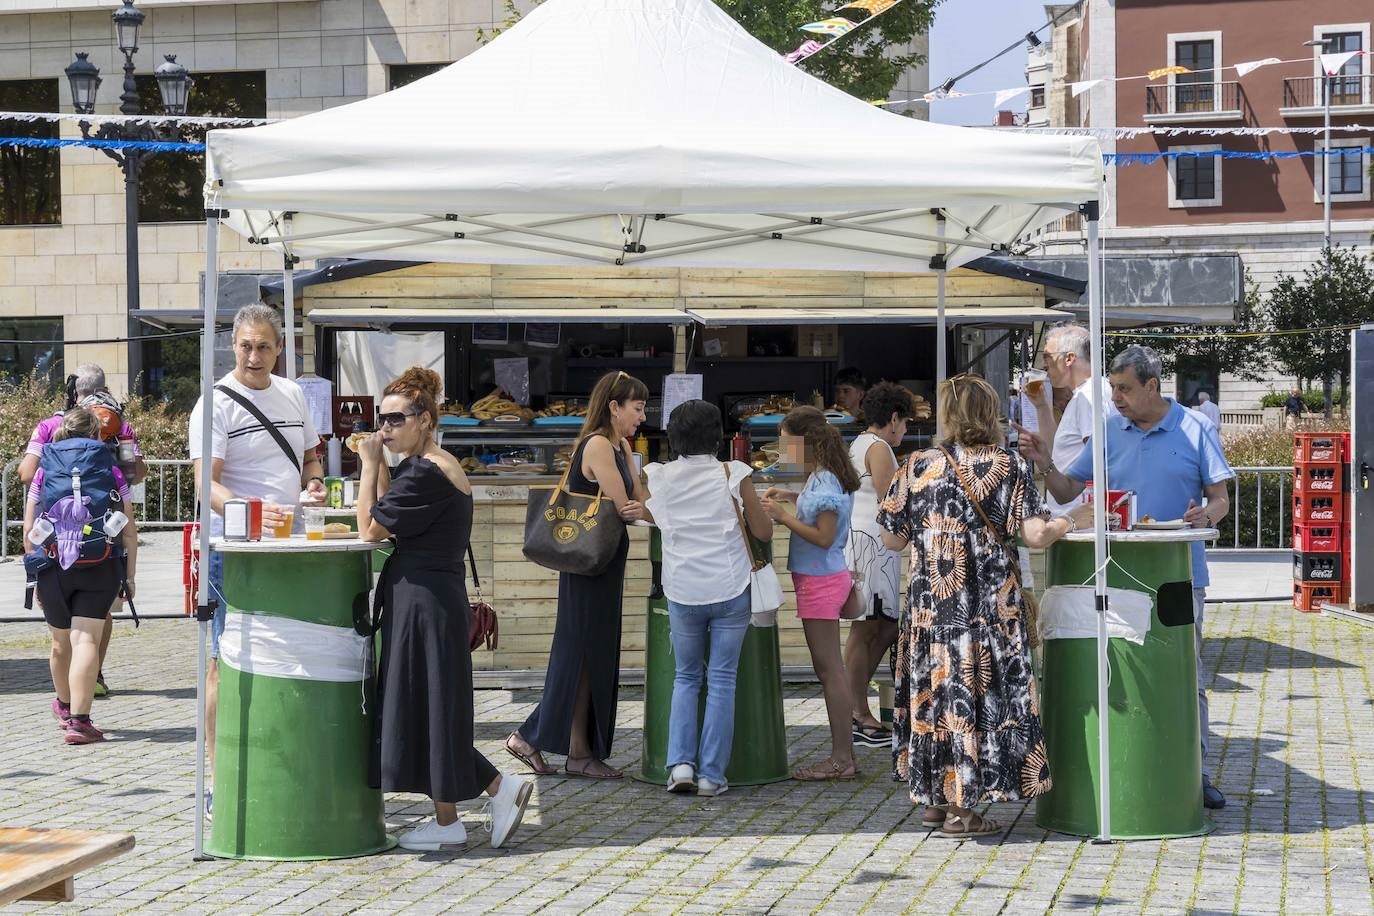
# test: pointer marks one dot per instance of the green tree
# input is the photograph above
(1212, 349)
(861, 64)
(1337, 290)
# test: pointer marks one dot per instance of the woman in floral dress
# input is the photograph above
(967, 719)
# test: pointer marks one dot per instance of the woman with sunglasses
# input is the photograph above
(576, 715)
(967, 719)
(424, 723)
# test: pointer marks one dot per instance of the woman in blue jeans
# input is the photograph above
(706, 577)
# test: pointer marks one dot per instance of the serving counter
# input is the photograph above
(293, 726)
(1152, 716)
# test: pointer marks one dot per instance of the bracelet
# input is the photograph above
(1073, 523)
(316, 477)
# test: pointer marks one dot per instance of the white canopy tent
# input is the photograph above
(640, 133)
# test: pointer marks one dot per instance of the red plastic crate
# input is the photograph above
(1325, 446)
(1321, 538)
(1309, 597)
(1318, 508)
(1318, 477)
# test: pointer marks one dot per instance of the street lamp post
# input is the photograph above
(174, 85)
(1326, 141)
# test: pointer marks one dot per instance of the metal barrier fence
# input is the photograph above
(165, 498)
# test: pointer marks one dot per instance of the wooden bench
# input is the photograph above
(37, 863)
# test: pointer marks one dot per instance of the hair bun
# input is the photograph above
(418, 378)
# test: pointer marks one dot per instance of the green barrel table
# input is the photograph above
(759, 753)
(293, 736)
(1155, 746)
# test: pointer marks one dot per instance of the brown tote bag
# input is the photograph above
(570, 532)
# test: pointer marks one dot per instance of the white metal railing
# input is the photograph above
(1252, 483)
(169, 478)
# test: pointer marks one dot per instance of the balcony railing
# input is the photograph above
(1346, 91)
(1192, 98)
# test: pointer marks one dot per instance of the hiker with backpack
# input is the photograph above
(82, 550)
(86, 388)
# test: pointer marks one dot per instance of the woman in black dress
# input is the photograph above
(425, 719)
(576, 715)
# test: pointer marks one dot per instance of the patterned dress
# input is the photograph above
(967, 719)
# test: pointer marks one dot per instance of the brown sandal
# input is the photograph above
(933, 817)
(958, 827)
(587, 768)
(534, 760)
(825, 771)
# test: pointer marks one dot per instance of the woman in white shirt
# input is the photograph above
(877, 570)
(706, 578)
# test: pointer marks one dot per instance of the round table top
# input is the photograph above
(1148, 536)
(294, 544)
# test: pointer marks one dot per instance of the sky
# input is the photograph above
(969, 31)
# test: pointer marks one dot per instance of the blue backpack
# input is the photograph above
(78, 490)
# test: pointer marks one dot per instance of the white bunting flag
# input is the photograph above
(1006, 95)
(1250, 66)
(1332, 63)
(1081, 87)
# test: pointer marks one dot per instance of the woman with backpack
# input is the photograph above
(77, 569)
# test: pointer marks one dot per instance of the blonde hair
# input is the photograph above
(78, 423)
(421, 387)
(970, 411)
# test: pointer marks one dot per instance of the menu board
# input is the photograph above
(679, 387)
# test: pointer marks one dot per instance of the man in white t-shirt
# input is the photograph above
(247, 460)
(1066, 354)
(1208, 408)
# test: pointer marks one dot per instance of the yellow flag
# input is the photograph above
(1168, 71)
(874, 7)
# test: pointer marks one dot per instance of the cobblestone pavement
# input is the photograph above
(1293, 749)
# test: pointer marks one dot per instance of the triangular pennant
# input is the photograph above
(1250, 66)
(834, 26)
(1081, 87)
(1172, 70)
(803, 51)
(874, 7)
(1006, 95)
(1332, 63)
(853, 14)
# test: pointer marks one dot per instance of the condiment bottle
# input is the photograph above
(641, 447)
(739, 447)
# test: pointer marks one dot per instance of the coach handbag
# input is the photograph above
(570, 532)
(765, 591)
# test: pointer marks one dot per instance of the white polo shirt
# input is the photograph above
(1075, 429)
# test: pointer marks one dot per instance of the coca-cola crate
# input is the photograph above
(1324, 446)
(1318, 508)
(1326, 538)
(1318, 477)
(1310, 596)
(1317, 567)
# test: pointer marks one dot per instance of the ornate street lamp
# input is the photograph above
(174, 85)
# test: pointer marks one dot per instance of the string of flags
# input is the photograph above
(1331, 65)
(839, 24)
(1151, 158)
(1130, 133)
(162, 120)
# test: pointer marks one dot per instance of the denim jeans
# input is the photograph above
(706, 638)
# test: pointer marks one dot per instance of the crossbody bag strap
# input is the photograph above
(959, 473)
(267, 424)
(755, 563)
(472, 561)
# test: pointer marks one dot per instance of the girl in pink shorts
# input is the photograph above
(820, 529)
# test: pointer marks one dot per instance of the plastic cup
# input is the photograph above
(314, 522)
(283, 528)
(1033, 383)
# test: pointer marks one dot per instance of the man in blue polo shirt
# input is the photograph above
(1172, 458)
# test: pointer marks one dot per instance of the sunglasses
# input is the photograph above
(393, 419)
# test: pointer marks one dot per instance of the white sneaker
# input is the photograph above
(429, 836)
(683, 778)
(508, 807)
(712, 789)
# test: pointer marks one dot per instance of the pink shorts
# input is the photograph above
(821, 597)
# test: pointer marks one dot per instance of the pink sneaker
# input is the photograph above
(61, 715)
(79, 732)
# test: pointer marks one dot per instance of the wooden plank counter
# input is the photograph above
(526, 595)
(38, 863)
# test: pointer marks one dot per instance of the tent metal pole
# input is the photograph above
(289, 294)
(1099, 443)
(941, 332)
(203, 605)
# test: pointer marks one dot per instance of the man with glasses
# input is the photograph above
(262, 444)
(1065, 356)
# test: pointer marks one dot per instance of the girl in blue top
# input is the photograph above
(820, 529)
